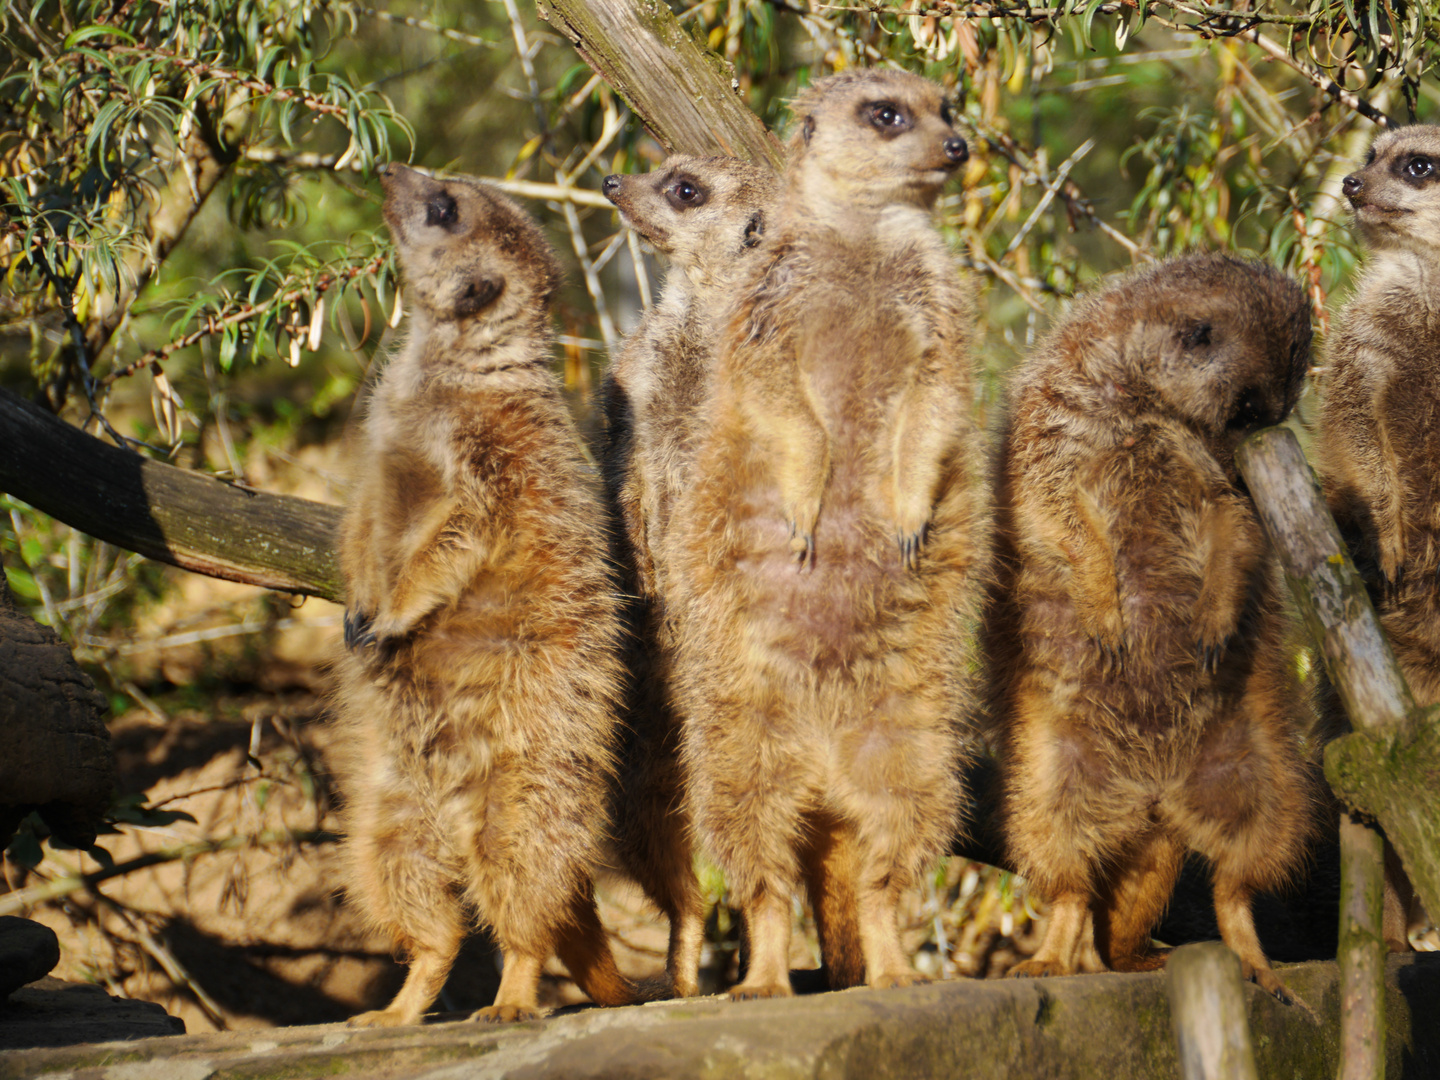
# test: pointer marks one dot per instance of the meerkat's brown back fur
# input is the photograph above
(708, 216)
(1378, 439)
(479, 687)
(1136, 637)
(829, 540)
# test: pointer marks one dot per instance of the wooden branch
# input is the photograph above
(684, 94)
(180, 517)
(1207, 1013)
(1362, 953)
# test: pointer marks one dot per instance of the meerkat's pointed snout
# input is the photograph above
(610, 185)
(956, 150)
(1352, 186)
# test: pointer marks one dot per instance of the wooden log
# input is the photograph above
(1207, 1013)
(180, 517)
(684, 94)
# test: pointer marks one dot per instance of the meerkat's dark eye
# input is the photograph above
(1370, 158)
(1419, 168)
(1250, 411)
(887, 117)
(441, 210)
(685, 194)
(946, 116)
(1193, 337)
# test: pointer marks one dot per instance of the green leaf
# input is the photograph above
(85, 33)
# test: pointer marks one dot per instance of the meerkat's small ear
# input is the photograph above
(807, 128)
(754, 229)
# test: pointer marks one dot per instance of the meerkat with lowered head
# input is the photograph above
(1377, 439)
(707, 215)
(829, 538)
(1136, 637)
(479, 689)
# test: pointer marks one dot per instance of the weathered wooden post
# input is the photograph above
(1389, 767)
(1207, 1013)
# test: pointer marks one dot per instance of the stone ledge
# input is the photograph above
(1111, 1027)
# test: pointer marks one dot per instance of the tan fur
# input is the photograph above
(830, 536)
(1136, 637)
(1378, 439)
(479, 688)
(708, 216)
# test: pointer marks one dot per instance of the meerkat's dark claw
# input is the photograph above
(1210, 656)
(358, 634)
(910, 547)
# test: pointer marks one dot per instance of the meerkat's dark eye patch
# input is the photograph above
(684, 193)
(887, 117)
(945, 115)
(1370, 158)
(1196, 335)
(1418, 168)
(440, 209)
(1250, 411)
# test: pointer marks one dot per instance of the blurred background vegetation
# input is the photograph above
(195, 268)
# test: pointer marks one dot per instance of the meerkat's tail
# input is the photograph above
(832, 865)
(585, 951)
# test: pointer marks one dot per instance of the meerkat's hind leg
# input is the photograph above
(830, 863)
(767, 931)
(429, 968)
(518, 997)
(1069, 944)
(1237, 930)
(886, 965)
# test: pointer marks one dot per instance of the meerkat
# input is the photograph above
(479, 689)
(707, 215)
(828, 540)
(1377, 440)
(1146, 705)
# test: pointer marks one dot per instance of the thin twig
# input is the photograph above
(21, 899)
(167, 961)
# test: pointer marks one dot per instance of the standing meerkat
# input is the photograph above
(1145, 701)
(707, 215)
(1378, 441)
(828, 541)
(479, 687)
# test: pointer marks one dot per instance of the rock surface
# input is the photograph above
(1096, 1026)
(28, 951)
(52, 1013)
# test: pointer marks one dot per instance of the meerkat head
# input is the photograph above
(703, 213)
(468, 253)
(875, 137)
(1220, 343)
(1396, 196)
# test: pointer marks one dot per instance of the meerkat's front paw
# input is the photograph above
(1208, 654)
(911, 545)
(802, 519)
(358, 632)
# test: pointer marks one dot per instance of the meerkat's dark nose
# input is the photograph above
(956, 150)
(1352, 185)
(610, 184)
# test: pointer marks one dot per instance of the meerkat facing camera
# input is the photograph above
(1136, 638)
(1377, 441)
(707, 215)
(479, 686)
(829, 539)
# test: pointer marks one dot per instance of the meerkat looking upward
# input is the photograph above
(707, 215)
(829, 537)
(479, 687)
(1378, 440)
(1145, 698)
